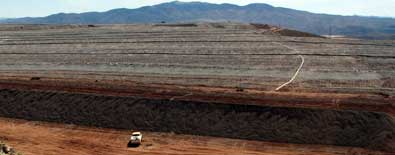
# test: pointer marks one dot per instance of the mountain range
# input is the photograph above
(181, 12)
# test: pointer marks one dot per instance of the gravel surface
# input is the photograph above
(235, 51)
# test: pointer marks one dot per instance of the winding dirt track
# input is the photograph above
(37, 138)
(295, 75)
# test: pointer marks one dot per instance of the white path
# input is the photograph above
(297, 71)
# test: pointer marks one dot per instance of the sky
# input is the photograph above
(40, 8)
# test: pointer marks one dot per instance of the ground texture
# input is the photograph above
(54, 139)
(202, 79)
(293, 125)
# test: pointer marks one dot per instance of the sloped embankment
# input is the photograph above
(291, 125)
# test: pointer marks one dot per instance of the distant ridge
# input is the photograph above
(175, 12)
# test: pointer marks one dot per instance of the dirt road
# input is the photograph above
(38, 138)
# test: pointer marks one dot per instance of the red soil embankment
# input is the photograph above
(289, 125)
(38, 138)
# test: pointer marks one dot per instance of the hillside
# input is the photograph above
(206, 79)
(173, 12)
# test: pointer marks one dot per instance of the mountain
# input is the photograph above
(173, 12)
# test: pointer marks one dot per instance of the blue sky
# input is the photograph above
(36, 8)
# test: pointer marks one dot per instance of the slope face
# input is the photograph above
(219, 78)
(54, 137)
(287, 125)
(366, 27)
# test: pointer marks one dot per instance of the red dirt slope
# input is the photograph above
(33, 138)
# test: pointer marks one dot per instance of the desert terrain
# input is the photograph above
(55, 139)
(197, 81)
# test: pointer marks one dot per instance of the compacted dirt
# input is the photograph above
(54, 139)
(198, 79)
(293, 125)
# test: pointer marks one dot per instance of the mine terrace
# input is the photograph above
(260, 84)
